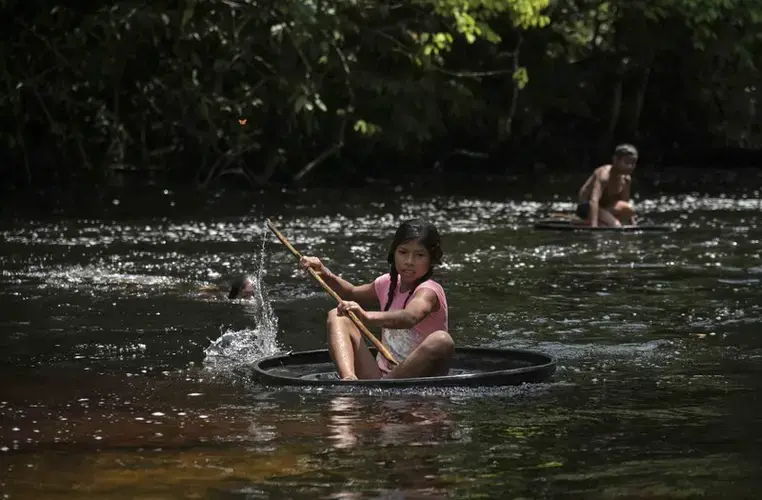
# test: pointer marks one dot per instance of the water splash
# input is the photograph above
(242, 347)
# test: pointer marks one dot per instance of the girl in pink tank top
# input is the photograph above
(413, 315)
(402, 342)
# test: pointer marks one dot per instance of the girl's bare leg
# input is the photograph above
(432, 358)
(348, 349)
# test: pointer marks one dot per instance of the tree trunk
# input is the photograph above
(638, 101)
(614, 111)
(506, 124)
(755, 132)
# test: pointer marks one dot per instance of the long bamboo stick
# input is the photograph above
(366, 333)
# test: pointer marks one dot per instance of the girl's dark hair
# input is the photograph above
(236, 286)
(419, 231)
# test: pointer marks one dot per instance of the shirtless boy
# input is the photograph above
(604, 199)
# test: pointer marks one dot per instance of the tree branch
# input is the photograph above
(459, 152)
(342, 128)
(474, 74)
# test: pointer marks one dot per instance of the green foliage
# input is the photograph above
(366, 128)
(521, 77)
(201, 90)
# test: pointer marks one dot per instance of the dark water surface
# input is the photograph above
(121, 379)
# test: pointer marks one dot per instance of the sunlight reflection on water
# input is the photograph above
(121, 349)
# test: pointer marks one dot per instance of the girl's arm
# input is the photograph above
(423, 302)
(365, 294)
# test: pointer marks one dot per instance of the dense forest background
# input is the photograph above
(284, 92)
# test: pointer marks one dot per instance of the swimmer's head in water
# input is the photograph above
(241, 288)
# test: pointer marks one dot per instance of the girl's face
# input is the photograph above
(412, 261)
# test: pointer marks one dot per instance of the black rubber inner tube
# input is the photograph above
(573, 225)
(472, 366)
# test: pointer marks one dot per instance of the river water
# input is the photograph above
(123, 375)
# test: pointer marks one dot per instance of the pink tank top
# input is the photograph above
(402, 342)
